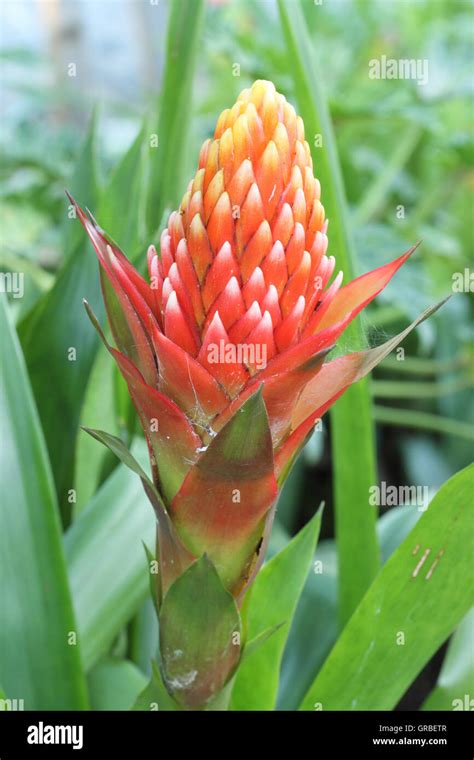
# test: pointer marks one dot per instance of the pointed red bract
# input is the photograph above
(173, 441)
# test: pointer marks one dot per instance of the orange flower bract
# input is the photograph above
(244, 257)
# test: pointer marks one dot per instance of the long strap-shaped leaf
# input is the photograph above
(57, 324)
(352, 428)
(272, 602)
(416, 601)
(39, 648)
(168, 158)
(108, 536)
(59, 348)
(174, 558)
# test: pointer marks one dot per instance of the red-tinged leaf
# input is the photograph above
(173, 557)
(289, 449)
(353, 297)
(222, 504)
(173, 443)
(128, 298)
(282, 391)
(187, 382)
(127, 329)
(200, 632)
(136, 287)
(323, 390)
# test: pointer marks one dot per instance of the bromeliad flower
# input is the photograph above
(224, 353)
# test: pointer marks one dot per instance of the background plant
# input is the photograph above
(74, 521)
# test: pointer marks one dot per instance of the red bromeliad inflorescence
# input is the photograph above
(233, 328)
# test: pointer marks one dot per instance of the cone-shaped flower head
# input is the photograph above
(223, 348)
(243, 259)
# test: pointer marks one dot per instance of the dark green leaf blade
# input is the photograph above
(121, 207)
(59, 346)
(415, 602)
(171, 123)
(59, 326)
(39, 659)
(273, 600)
(115, 684)
(108, 536)
(174, 558)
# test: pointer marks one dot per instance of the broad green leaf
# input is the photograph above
(454, 689)
(59, 350)
(200, 634)
(106, 561)
(353, 474)
(255, 643)
(394, 526)
(151, 560)
(415, 602)
(155, 696)
(273, 600)
(315, 629)
(352, 433)
(59, 323)
(171, 123)
(173, 557)
(115, 684)
(36, 276)
(39, 660)
(59, 346)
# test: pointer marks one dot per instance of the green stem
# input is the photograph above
(171, 124)
(353, 443)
